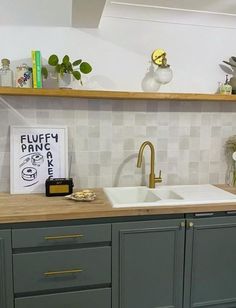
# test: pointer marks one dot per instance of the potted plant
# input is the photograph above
(231, 71)
(67, 70)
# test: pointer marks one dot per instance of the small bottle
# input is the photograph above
(6, 75)
(226, 88)
(23, 76)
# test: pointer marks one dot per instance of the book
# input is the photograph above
(37, 67)
(34, 68)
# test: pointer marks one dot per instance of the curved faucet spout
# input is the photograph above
(140, 155)
(152, 178)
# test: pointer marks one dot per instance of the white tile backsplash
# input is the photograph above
(105, 136)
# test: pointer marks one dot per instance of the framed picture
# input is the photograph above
(37, 153)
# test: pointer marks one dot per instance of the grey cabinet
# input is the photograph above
(148, 259)
(163, 263)
(62, 266)
(84, 299)
(60, 269)
(210, 263)
(6, 289)
(60, 236)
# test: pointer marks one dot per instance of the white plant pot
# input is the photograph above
(65, 81)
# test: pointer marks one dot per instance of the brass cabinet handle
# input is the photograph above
(55, 273)
(63, 237)
(182, 224)
(190, 224)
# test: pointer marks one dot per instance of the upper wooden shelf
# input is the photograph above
(117, 94)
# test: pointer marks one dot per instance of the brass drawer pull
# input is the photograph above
(55, 273)
(190, 224)
(63, 237)
(182, 224)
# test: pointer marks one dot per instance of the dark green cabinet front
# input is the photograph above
(210, 263)
(165, 263)
(100, 298)
(6, 285)
(148, 260)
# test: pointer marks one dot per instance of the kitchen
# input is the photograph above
(105, 134)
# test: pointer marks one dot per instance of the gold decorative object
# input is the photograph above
(163, 74)
(152, 178)
(63, 237)
(230, 149)
(158, 55)
(63, 272)
(83, 195)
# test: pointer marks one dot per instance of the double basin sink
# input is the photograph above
(167, 195)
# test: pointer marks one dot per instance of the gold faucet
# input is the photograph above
(152, 178)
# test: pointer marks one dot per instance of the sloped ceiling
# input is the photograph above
(217, 6)
(210, 13)
(88, 13)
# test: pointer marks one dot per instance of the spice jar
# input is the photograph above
(6, 74)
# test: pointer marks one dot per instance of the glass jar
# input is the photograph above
(6, 74)
(23, 76)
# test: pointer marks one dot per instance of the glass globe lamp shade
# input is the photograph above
(163, 75)
(149, 83)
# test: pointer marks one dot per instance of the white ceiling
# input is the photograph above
(35, 13)
(79, 13)
(217, 6)
(88, 13)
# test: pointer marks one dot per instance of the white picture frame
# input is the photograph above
(37, 152)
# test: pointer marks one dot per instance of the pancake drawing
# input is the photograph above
(29, 174)
(37, 159)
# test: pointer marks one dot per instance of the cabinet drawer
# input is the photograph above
(36, 237)
(61, 269)
(84, 299)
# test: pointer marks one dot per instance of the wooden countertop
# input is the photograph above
(37, 207)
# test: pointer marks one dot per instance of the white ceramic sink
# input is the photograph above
(167, 195)
(131, 195)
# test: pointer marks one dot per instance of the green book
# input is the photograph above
(38, 69)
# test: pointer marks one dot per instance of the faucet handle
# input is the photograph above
(159, 178)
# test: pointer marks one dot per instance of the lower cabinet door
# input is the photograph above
(147, 265)
(210, 263)
(6, 286)
(100, 298)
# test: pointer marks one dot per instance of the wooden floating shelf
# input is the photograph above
(116, 95)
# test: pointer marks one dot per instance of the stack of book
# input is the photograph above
(37, 68)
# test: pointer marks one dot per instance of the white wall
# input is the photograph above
(104, 136)
(120, 51)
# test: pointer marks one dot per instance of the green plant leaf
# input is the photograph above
(85, 67)
(69, 68)
(63, 68)
(53, 60)
(66, 60)
(58, 68)
(77, 62)
(77, 75)
(44, 72)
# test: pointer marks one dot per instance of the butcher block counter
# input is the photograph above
(37, 207)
